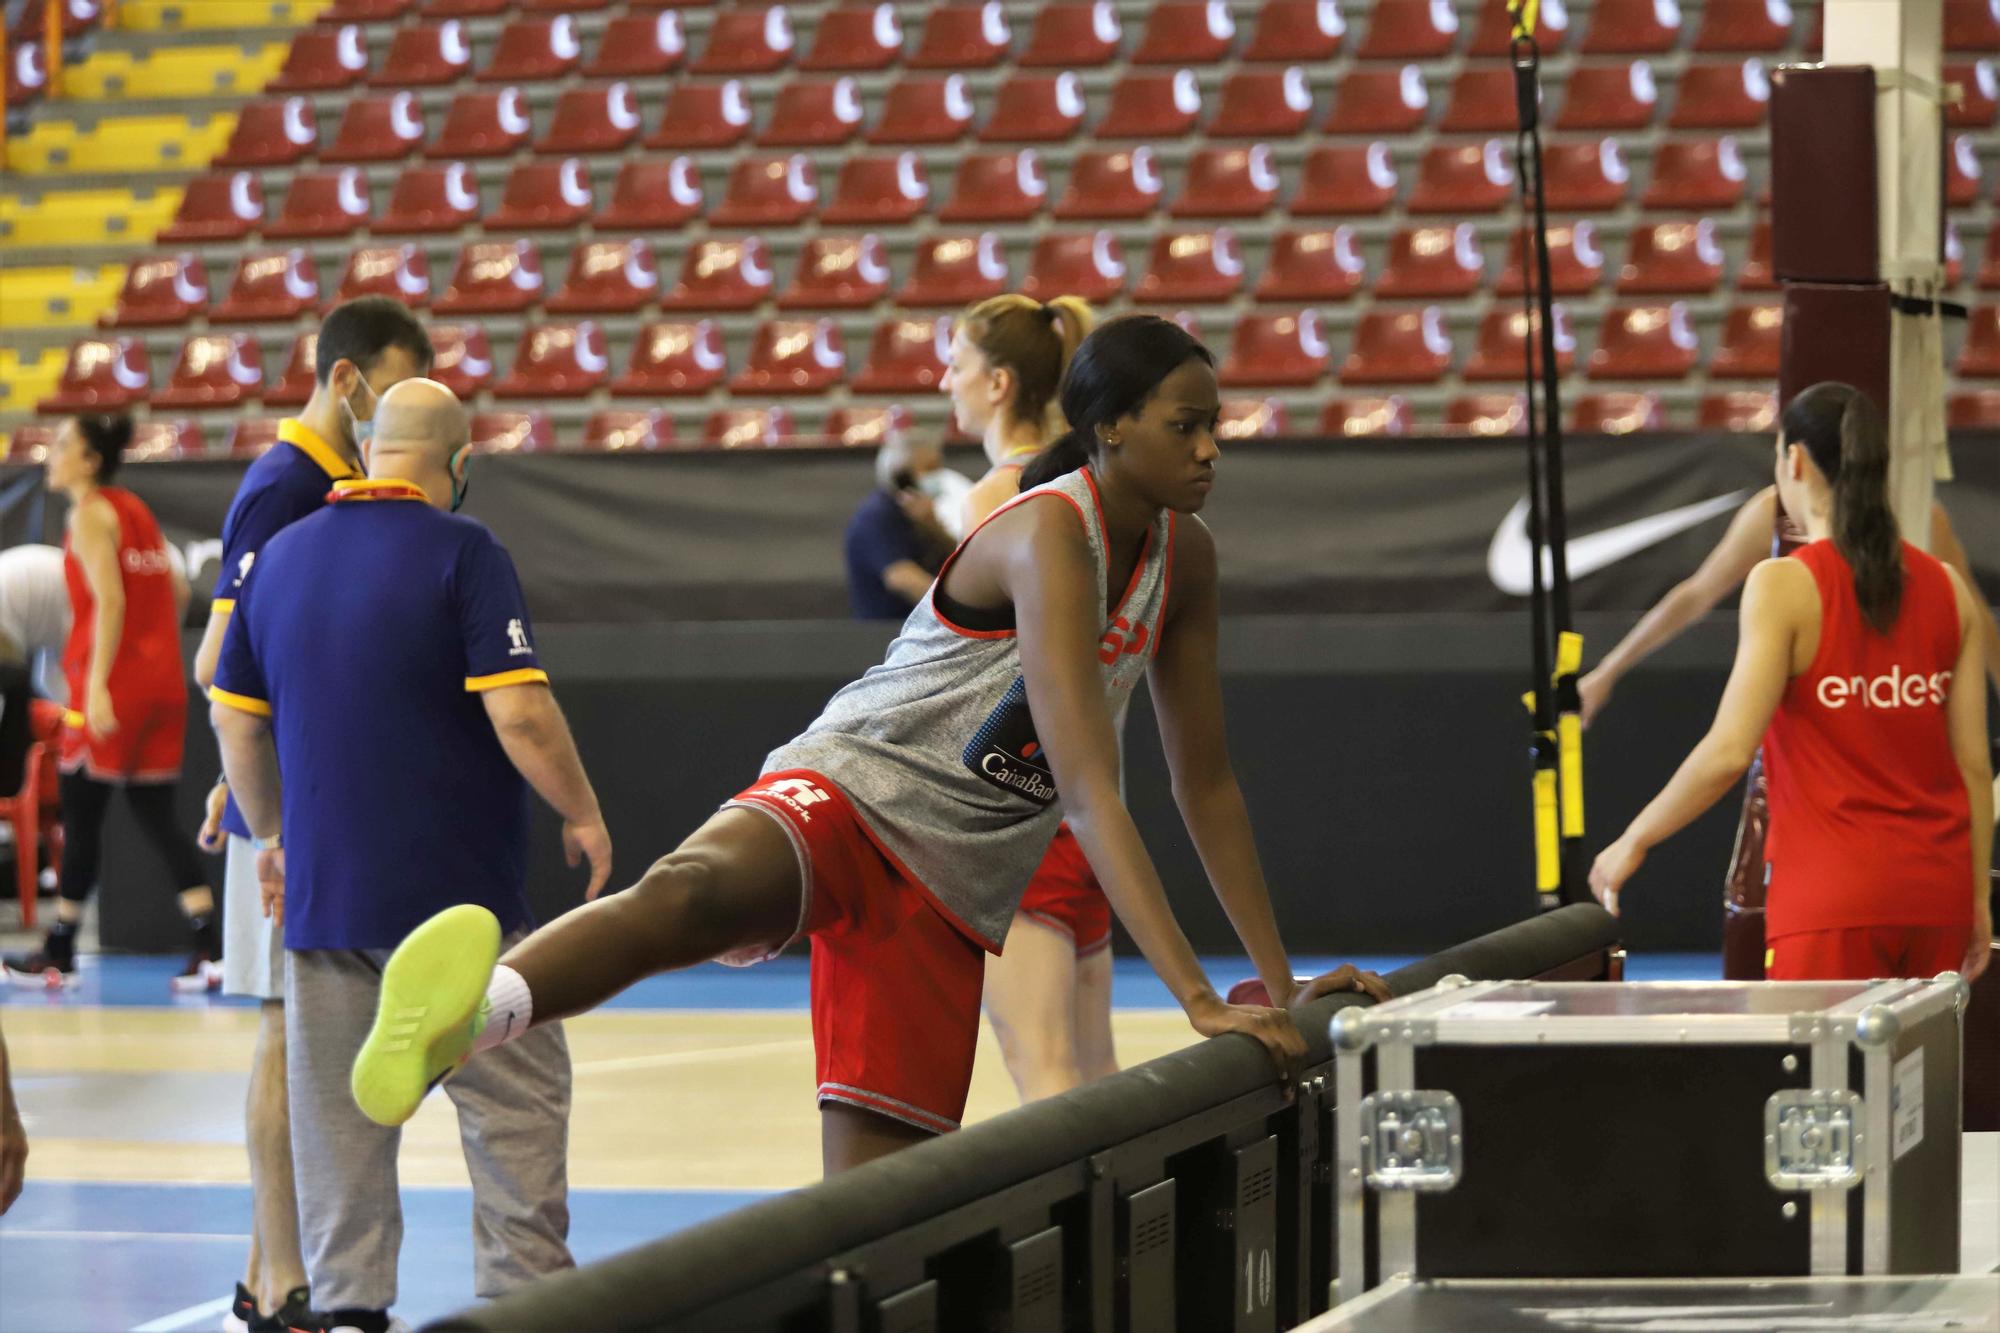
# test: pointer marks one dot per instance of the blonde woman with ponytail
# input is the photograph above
(1861, 670)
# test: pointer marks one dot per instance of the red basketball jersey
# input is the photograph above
(148, 663)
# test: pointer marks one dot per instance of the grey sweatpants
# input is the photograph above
(513, 1123)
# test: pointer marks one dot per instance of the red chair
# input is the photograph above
(1632, 28)
(1341, 182)
(997, 187)
(1086, 264)
(1576, 264)
(1976, 409)
(161, 441)
(214, 370)
(723, 275)
(812, 114)
(511, 433)
(955, 271)
(1757, 273)
(1193, 266)
(620, 431)
(161, 290)
(251, 437)
(271, 134)
(323, 203)
(1399, 347)
(651, 194)
(1229, 183)
(1650, 342)
(593, 120)
(31, 442)
(270, 286)
(1954, 254)
(639, 46)
(1585, 177)
(1366, 418)
(101, 375)
(429, 200)
(365, 11)
(546, 196)
(1379, 101)
(557, 361)
(1752, 337)
(1276, 350)
(483, 124)
(76, 17)
(467, 9)
(673, 360)
(1263, 104)
(426, 56)
(1495, 34)
(839, 273)
(1722, 97)
(1122, 183)
(217, 208)
(1464, 178)
(1289, 31)
(1961, 171)
(769, 191)
(1981, 102)
(563, 6)
(1072, 36)
(495, 278)
(1486, 414)
(1617, 414)
(531, 50)
(27, 72)
(608, 278)
(1972, 25)
(856, 37)
(322, 60)
(464, 360)
(1039, 108)
(1701, 175)
(961, 36)
(1989, 265)
(34, 811)
(865, 427)
(748, 428)
(878, 190)
(747, 41)
(1251, 419)
(924, 110)
(1432, 262)
(1409, 30)
(1751, 411)
(1744, 25)
(1482, 101)
(1323, 264)
(1501, 350)
(300, 378)
(1610, 97)
(1186, 32)
(1145, 104)
(1672, 258)
(400, 272)
(906, 356)
(378, 129)
(793, 356)
(703, 115)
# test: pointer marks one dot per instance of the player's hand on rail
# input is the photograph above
(1615, 864)
(210, 837)
(1345, 977)
(1212, 1016)
(591, 840)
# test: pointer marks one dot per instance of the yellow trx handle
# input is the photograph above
(1525, 13)
(1548, 844)
(1569, 735)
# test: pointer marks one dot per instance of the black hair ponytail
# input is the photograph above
(1061, 456)
(1111, 376)
(1843, 432)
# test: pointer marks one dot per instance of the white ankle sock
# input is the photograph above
(509, 1008)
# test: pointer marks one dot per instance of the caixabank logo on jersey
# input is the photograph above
(1006, 752)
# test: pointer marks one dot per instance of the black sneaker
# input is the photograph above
(53, 965)
(203, 971)
(357, 1321)
(295, 1313)
(243, 1313)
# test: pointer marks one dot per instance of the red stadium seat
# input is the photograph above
(906, 356)
(593, 120)
(400, 272)
(1186, 32)
(1989, 264)
(1495, 34)
(161, 441)
(1110, 185)
(955, 271)
(296, 385)
(1482, 101)
(1486, 414)
(1961, 171)
(251, 437)
(924, 110)
(1751, 339)
(1744, 25)
(1672, 258)
(530, 50)
(1500, 352)
(625, 431)
(1366, 418)
(483, 124)
(467, 9)
(1972, 25)
(997, 187)
(1039, 108)
(704, 115)
(1193, 266)
(865, 427)
(1399, 347)
(1651, 342)
(431, 199)
(1072, 36)
(1297, 30)
(1263, 104)
(1576, 264)
(426, 56)
(750, 40)
(101, 375)
(856, 37)
(813, 114)
(1980, 105)
(214, 370)
(1954, 254)
(563, 6)
(1632, 27)
(1609, 97)
(1432, 262)
(322, 60)
(378, 129)
(878, 189)
(217, 208)
(323, 203)
(963, 36)
(76, 17)
(1617, 414)
(1251, 419)
(793, 356)
(1341, 182)
(639, 46)
(464, 361)
(1268, 350)
(1146, 104)
(1976, 409)
(27, 72)
(1323, 264)
(1086, 264)
(1722, 97)
(674, 359)
(166, 289)
(1757, 274)
(270, 286)
(650, 194)
(1585, 177)
(839, 273)
(1695, 175)
(748, 428)
(1463, 178)
(1751, 411)
(546, 196)
(723, 275)
(558, 361)
(30, 442)
(1229, 183)
(511, 433)
(271, 134)
(495, 278)
(608, 278)
(1409, 30)
(1379, 101)
(768, 191)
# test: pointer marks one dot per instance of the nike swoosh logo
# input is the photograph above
(1508, 558)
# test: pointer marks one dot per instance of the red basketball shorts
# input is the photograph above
(1065, 895)
(145, 748)
(1862, 953)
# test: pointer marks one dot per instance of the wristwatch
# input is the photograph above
(274, 843)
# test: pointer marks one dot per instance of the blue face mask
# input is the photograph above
(461, 486)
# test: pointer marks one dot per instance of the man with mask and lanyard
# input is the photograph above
(365, 347)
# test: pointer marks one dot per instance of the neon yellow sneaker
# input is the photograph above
(432, 1007)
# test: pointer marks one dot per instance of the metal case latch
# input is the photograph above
(1412, 1140)
(1811, 1139)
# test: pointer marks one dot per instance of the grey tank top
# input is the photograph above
(937, 750)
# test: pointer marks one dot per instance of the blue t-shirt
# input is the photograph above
(879, 535)
(367, 633)
(290, 481)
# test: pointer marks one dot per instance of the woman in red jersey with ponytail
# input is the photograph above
(1860, 669)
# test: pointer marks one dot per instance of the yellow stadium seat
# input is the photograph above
(55, 298)
(87, 217)
(28, 377)
(158, 15)
(175, 71)
(121, 143)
